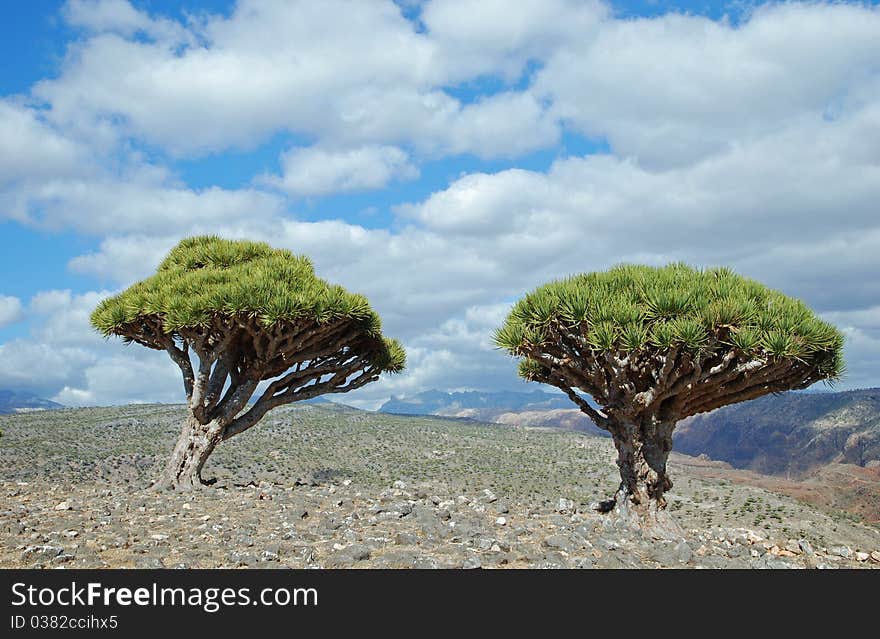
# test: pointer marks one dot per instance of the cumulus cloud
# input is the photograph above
(480, 37)
(10, 310)
(32, 149)
(66, 360)
(673, 89)
(862, 350)
(456, 355)
(371, 79)
(139, 202)
(119, 16)
(316, 171)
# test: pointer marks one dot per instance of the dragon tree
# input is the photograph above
(243, 320)
(652, 346)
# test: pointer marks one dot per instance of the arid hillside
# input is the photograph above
(327, 486)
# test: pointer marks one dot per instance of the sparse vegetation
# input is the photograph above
(341, 465)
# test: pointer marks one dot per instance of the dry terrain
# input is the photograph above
(328, 486)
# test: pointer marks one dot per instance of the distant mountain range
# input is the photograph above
(789, 433)
(792, 433)
(516, 408)
(20, 402)
(434, 402)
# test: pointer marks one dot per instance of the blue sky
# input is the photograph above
(442, 157)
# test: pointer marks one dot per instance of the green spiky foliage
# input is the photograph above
(654, 345)
(633, 329)
(250, 313)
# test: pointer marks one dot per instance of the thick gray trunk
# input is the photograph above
(643, 448)
(194, 445)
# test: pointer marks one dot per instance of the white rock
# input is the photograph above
(63, 506)
(159, 536)
(862, 556)
(501, 521)
(754, 538)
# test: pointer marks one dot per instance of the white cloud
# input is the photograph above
(674, 89)
(231, 81)
(126, 378)
(10, 310)
(32, 149)
(502, 125)
(119, 16)
(487, 36)
(136, 204)
(65, 359)
(862, 348)
(40, 367)
(317, 171)
(124, 259)
(65, 317)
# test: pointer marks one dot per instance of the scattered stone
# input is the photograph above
(564, 506)
(406, 539)
(38, 553)
(683, 552)
(425, 562)
(149, 562)
(558, 542)
(268, 555)
(840, 551)
(375, 521)
(351, 554)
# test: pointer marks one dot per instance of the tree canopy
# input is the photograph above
(207, 278)
(640, 314)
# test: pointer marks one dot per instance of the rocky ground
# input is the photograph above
(319, 486)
